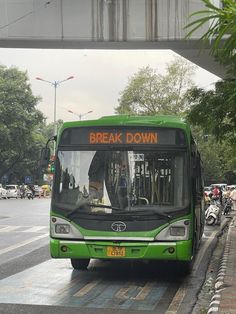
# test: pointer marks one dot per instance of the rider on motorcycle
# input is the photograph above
(22, 190)
(32, 189)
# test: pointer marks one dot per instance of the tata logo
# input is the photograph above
(118, 226)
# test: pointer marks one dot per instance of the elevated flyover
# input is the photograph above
(104, 24)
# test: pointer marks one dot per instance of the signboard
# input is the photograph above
(122, 136)
(28, 179)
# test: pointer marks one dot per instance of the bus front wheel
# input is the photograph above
(80, 264)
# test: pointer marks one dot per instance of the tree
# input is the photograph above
(215, 110)
(222, 30)
(218, 158)
(150, 93)
(19, 120)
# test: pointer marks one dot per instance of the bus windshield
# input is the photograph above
(104, 182)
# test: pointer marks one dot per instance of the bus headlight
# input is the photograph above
(62, 228)
(178, 230)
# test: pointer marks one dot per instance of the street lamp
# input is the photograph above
(80, 115)
(55, 84)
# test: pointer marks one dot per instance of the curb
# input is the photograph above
(219, 284)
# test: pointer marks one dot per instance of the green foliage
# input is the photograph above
(215, 110)
(222, 29)
(19, 119)
(214, 113)
(149, 93)
(218, 159)
(47, 132)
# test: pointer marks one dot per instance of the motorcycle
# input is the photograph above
(227, 206)
(22, 194)
(29, 194)
(213, 213)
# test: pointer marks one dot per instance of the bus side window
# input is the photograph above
(199, 177)
(196, 178)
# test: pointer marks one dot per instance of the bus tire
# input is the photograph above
(80, 264)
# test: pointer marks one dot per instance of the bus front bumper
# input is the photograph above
(180, 250)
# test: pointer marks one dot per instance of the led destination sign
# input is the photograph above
(122, 136)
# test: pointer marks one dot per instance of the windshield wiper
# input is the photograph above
(83, 210)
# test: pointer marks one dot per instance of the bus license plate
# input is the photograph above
(115, 251)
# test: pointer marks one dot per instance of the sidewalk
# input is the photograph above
(224, 299)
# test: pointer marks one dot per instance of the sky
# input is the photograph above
(99, 77)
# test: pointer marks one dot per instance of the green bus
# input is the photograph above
(126, 187)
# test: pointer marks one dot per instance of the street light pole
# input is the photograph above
(55, 84)
(80, 115)
(55, 107)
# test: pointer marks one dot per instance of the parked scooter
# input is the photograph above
(213, 213)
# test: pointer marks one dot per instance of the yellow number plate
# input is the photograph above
(115, 251)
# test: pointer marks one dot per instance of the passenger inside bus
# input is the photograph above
(100, 175)
(96, 175)
(121, 179)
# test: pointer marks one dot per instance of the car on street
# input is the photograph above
(3, 192)
(219, 185)
(38, 190)
(232, 186)
(13, 191)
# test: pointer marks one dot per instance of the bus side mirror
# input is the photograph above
(45, 157)
(45, 153)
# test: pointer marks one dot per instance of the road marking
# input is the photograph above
(9, 228)
(16, 246)
(177, 300)
(86, 288)
(143, 293)
(180, 294)
(122, 293)
(205, 247)
(34, 229)
(70, 285)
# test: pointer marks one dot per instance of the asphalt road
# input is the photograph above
(32, 282)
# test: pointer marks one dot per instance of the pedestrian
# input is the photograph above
(22, 190)
(221, 195)
(216, 192)
(233, 197)
(227, 192)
